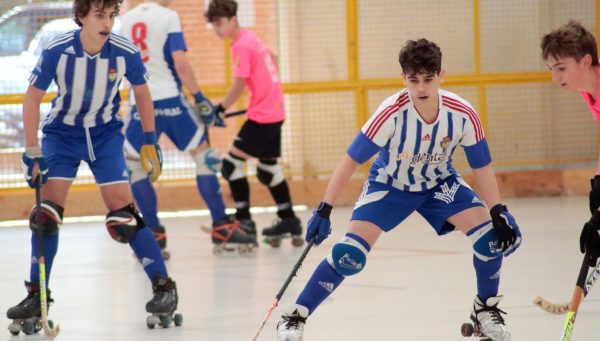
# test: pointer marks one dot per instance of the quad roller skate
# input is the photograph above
(160, 234)
(163, 305)
(228, 236)
(284, 228)
(26, 315)
(487, 324)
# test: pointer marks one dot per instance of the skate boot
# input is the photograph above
(228, 236)
(160, 234)
(26, 315)
(291, 326)
(163, 305)
(487, 321)
(284, 228)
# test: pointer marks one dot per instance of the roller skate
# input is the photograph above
(284, 228)
(160, 234)
(291, 326)
(26, 315)
(487, 321)
(228, 236)
(163, 305)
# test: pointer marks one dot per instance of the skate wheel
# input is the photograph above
(51, 324)
(467, 329)
(37, 326)
(166, 321)
(244, 249)
(14, 328)
(28, 328)
(178, 320)
(217, 251)
(297, 242)
(152, 321)
(14, 332)
(166, 255)
(275, 242)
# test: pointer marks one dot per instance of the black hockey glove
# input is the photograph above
(594, 194)
(589, 240)
(505, 226)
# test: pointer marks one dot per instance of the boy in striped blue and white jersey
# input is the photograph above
(88, 65)
(415, 132)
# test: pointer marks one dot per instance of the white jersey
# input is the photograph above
(156, 31)
(415, 155)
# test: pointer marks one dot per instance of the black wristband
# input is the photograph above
(324, 210)
(595, 180)
(595, 219)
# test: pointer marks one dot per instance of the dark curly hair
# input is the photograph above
(420, 57)
(570, 40)
(82, 8)
(221, 9)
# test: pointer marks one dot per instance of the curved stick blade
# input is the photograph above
(550, 307)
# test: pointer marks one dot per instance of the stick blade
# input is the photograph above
(51, 333)
(550, 307)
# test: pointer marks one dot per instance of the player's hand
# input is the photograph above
(150, 156)
(219, 116)
(506, 228)
(319, 225)
(203, 108)
(589, 240)
(595, 194)
(33, 165)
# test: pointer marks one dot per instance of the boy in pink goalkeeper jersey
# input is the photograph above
(571, 54)
(260, 136)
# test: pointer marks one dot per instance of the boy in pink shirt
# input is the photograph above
(260, 136)
(571, 54)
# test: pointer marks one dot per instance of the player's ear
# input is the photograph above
(441, 75)
(586, 61)
(403, 77)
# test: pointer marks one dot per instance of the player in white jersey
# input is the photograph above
(88, 65)
(156, 30)
(415, 132)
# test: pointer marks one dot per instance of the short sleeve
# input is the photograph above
(176, 42)
(44, 71)
(135, 70)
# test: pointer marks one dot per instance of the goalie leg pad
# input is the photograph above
(269, 172)
(124, 223)
(208, 162)
(349, 256)
(485, 241)
(51, 217)
(233, 168)
(136, 171)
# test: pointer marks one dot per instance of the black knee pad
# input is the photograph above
(51, 217)
(269, 173)
(233, 168)
(123, 224)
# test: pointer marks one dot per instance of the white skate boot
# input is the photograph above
(291, 326)
(487, 319)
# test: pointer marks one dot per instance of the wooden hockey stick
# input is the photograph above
(50, 332)
(582, 287)
(283, 288)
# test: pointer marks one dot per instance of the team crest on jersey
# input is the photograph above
(445, 142)
(112, 74)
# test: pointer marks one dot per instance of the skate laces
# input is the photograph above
(494, 313)
(293, 321)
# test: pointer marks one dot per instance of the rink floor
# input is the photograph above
(416, 286)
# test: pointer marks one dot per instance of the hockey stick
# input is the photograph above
(50, 333)
(235, 113)
(284, 287)
(582, 287)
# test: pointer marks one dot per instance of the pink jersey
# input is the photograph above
(253, 62)
(594, 105)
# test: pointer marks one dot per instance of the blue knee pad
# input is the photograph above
(485, 242)
(349, 256)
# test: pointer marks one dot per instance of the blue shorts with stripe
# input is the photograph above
(387, 206)
(175, 117)
(101, 147)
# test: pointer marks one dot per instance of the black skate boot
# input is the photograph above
(163, 305)
(160, 234)
(291, 325)
(26, 315)
(487, 320)
(228, 236)
(284, 228)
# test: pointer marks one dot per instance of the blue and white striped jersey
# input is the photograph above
(156, 31)
(88, 86)
(413, 154)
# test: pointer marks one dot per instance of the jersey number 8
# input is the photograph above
(138, 34)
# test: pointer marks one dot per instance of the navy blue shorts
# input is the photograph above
(176, 118)
(102, 148)
(387, 206)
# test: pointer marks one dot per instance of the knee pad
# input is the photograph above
(233, 168)
(485, 242)
(349, 256)
(135, 169)
(269, 173)
(51, 217)
(208, 162)
(123, 224)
